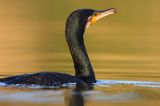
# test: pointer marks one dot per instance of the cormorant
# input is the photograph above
(76, 24)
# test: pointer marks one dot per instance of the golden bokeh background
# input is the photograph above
(32, 36)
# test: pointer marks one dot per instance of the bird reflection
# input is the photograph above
(76, 96)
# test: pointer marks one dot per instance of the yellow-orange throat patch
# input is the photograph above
(93, 20)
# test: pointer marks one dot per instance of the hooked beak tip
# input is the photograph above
(114, 10)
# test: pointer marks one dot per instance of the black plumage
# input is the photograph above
(42, 78)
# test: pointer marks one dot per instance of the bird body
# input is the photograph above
(76, 24)
(42, 78)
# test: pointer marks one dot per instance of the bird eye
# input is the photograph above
(96, 13)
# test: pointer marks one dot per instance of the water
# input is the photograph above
(123, 48)
(106, 92)
(116, 85)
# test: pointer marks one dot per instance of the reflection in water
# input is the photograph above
(77, 99)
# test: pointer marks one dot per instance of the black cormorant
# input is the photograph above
(76, 24)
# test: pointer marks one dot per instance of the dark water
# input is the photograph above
(123, 48)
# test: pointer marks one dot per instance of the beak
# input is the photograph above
(105, 13)
(99, 14)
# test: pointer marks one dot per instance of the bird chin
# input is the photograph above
(89, 24)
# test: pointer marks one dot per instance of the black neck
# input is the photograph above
(74, 35)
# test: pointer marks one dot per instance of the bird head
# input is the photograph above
(87, 17)
(81, 19)
(97, 15)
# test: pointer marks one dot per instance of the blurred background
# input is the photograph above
(123, 45)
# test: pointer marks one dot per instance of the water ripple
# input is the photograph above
(127, 82)
(102, 83)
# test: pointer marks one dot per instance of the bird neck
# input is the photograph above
(74, 35)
